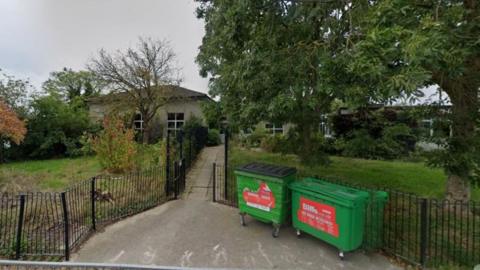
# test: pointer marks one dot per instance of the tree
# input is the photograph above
(14, 93)
(11, 128)
(271, 60)
(213, 113)
(146, 75)
(406, 45)
(54, 129)
(69, 84)
(115, 146)
(286, 60)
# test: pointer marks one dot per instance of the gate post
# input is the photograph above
(423, 231)
(66, 226)
(92, 198)
(180, 140)
(214, 180)
(175, 179)
(167, 166)
(190, 150)
(226, 164)
(184, 174)
(21, 215)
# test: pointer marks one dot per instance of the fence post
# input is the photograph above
(180, 140)
(175, 179)
(214, 180)
(167, 166)
(190, 148)
(66, 226)
(21, 215)
(92, 198)
(184, 174)
(226, 164)
(423, 231)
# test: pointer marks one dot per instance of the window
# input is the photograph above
(138, 122)
(325, 126)
(427, 127)
(274, 129)
(175, 122)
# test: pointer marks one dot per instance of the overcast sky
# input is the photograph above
(41, 36)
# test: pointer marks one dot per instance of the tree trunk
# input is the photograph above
(457, 188)
(464, 98)
(146, 132)
(305, 132)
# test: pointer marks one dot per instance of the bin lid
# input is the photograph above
(324, 188)
(267, 169)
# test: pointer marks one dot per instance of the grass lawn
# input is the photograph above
(57, 174)
(404, 176)
(46, 175)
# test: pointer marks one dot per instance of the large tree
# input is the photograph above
(146, 75)
(70, 84)
(14, 92)
(268, 60)
(404, 45)
(286, 60)
(12, 129)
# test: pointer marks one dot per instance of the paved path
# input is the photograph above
(198, 233)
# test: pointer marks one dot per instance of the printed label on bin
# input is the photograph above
(261, 199)
(318, 215)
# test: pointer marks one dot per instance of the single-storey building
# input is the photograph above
(182, 105)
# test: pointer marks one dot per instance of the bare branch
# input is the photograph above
(145, 74)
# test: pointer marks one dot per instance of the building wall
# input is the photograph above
(191, 107)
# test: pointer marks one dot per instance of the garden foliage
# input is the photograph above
(115, 146)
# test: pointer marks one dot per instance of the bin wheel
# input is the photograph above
(299, 233)
(242, 220)
(275, 231)
(341, 255)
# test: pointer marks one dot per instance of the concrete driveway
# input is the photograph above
(194, 232)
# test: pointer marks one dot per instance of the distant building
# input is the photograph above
(182, 105)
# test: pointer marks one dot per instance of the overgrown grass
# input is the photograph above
(57, 174)
(409, 177)
(46, 175)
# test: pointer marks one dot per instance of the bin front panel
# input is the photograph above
(267, 201)
(329, 221)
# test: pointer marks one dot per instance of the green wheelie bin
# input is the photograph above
(263, 193)
(330, 212)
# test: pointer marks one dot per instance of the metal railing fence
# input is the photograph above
(422, 231)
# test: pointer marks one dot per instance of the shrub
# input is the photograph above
(192, 124)
(152, 155)
(54, 129)
(395, 142)
(274, 144)
(255, 138)
(361, 145)
(115, 146)
(213, 137)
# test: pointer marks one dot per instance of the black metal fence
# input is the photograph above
(49, 225)
(422, 231)
(224, 188)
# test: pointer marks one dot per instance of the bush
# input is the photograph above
(361, 145)
(274, 144)
(152, 155)
(115, 146)
(191, 125)
(213, 137)
(395, 142)
(254, 139)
